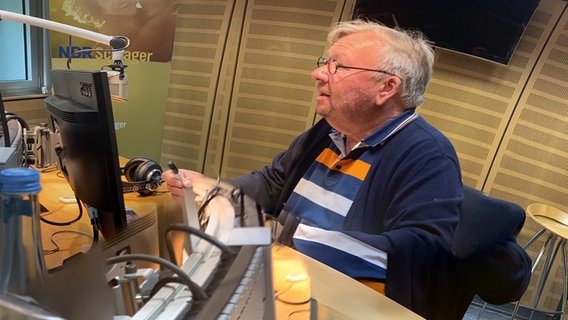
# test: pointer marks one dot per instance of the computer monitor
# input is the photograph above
(81, 113)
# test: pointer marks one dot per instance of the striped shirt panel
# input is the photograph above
(324, 196)
(342, 242)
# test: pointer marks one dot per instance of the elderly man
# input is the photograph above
(375, 191)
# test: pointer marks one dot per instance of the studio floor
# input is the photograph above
(477, 311)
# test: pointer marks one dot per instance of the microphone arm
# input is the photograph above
(117, 43)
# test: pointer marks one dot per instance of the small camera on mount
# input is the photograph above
(40, 146)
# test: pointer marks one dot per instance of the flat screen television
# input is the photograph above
(489, 29)
(81, 113)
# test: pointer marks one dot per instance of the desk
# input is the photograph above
(334, 293)
(337, 295)
(54, 186)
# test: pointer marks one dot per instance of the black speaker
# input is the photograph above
(143, 175)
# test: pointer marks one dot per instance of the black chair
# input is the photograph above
(497, 268)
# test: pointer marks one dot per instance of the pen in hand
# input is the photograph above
(189, 207)
(175, 169)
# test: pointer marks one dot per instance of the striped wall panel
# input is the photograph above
(32, 110)
(532, 162)
(472, 100)
(202, 28)
(240, 88)
(272, 99)
(509, 124)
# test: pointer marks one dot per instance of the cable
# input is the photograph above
(24, 125)
(193, 231)
(68, 222)
(4, 121)
(238, 196)
(51, 168)
(95, 225)
(295, 312)
(21, 120)
(162, 282)
(57, 248)
(278, 293)
(195, 289)
(204, 218)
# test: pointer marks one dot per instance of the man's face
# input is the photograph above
(348, 93)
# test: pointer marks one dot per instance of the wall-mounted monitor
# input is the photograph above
(489, 29)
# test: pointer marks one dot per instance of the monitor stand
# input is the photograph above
(140, 235)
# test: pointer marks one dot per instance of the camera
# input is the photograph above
(40, 146)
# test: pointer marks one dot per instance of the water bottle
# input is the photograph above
(22, 265)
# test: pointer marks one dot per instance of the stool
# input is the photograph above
(554, 224)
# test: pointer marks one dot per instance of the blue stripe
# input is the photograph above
(313, 214)
(348, 264)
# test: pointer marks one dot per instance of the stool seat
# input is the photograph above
(550, 218)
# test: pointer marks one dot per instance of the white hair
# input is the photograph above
(402, 52)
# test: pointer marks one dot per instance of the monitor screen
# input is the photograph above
(81, 113)
(488, 29)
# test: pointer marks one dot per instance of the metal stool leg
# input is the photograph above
(562, 302)
(554, 243)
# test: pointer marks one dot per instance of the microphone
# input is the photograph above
(117, 79)
(117, 76)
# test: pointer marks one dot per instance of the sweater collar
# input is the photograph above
(379, 136)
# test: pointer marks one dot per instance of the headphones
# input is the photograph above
(143, 176)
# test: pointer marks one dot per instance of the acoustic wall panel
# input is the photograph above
(32, 110)
(240, 88)
(201, 31)
(272, 99)
(532, 162)
(471, 100)
(510, 123)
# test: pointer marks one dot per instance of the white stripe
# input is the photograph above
(324, 198)
(343, 242)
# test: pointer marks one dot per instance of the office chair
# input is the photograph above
(498, 268)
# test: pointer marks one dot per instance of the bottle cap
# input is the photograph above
(19, 180)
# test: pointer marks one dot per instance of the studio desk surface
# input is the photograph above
(304, 288)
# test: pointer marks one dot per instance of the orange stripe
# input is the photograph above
(328, 158)
(375, 285)
(355, 168)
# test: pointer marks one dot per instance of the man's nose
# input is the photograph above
(320, 73)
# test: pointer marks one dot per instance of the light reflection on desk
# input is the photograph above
(291, 284)
(308, 289)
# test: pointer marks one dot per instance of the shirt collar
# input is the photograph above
(393, 126)
(379, 136)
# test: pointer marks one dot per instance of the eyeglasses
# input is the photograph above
(332, 67)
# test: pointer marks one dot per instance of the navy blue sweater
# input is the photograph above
(408, 206)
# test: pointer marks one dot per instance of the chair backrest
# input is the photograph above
(485, 221)
(491, 261)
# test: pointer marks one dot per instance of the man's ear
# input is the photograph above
(388, 89)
